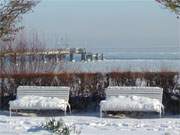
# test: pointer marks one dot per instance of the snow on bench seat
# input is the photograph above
(131, 103)
(38, 102)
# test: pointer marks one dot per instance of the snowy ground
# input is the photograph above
(91, 124)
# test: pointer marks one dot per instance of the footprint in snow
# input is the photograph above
(165, 126)
(167, 133)
(3, 121)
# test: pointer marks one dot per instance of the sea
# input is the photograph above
(139, 53)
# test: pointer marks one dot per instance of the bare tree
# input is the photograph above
(11, 12)
(173, 5)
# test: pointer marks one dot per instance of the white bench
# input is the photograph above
(47, 92)
(115, 91)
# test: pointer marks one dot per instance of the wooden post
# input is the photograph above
(83, 56)
(71, 56)
(96, 56)
(102, 57)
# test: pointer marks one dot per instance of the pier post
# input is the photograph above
(71, 56)
(83, 56)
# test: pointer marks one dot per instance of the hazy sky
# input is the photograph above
(105, 23)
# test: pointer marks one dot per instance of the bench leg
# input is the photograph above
(69, 108)
(101, 113)
(160, 114)
(163, 112)
(65, 112)
(10, 112)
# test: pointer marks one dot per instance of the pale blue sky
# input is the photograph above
(105, 23)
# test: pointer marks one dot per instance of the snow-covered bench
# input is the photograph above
(41, 98)
(132, 99)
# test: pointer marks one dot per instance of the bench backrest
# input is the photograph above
(151, 92)
(46, 91)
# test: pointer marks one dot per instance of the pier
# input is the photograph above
(54, 55)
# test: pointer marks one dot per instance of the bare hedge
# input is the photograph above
(87, 89)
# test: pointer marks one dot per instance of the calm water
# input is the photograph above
(139, 53)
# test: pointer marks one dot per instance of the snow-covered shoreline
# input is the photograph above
(91, 124)
(106, 66)
(103, 66)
